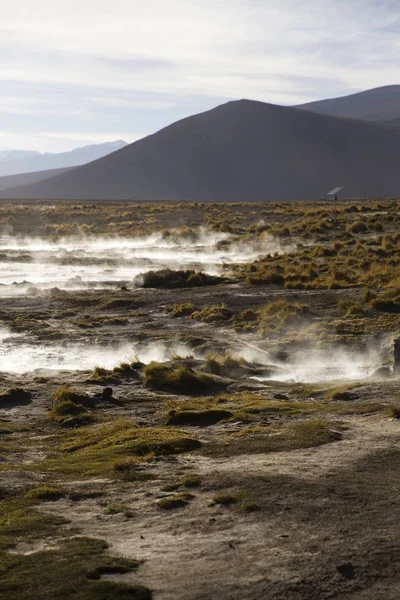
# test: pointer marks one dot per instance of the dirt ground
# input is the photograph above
(263, 509)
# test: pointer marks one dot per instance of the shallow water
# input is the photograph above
(80, 263)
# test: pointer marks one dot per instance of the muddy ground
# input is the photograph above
(289, 487)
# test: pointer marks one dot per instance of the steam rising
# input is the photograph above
(80, 263)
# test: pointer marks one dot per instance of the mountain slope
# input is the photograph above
(379, 104)
(44, 162)
(242, 150)
(11, 181)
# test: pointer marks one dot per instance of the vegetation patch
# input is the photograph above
(178, 379)
(201, 418)
(181, 310)
(66, 394)
(99, 449)
(170, 279)
(225, 499)
(73, 570)
(216, 313)
(177, 501)
(282, 314)
(292, 436)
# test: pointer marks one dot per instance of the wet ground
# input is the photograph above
(292, 515)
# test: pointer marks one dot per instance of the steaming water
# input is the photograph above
(82, 263)
(333, 365)
(17, 357)
(87, 263)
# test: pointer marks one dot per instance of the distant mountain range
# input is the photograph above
(14, 162)
(247, 150)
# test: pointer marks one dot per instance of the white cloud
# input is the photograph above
(160, 60)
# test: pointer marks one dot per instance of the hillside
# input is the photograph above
(379, 104)
(242, 150)
(11, 181)
(15, 162)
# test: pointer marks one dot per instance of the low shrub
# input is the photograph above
(281, 314)
(201, 418)
(216, 313)
(177, 379)
(168, 278)
(181, 310)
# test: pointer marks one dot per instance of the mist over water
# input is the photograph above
(31, 265)
(329, 365)
(79, 263)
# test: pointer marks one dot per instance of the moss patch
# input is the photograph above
(73, 570)
(257, 440)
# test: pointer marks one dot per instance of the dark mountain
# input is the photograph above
(29, 162)
(242, 150)
(379, 104)
(11, 181)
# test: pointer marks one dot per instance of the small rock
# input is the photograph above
(107, 393)
(281, 397)
(346, 570)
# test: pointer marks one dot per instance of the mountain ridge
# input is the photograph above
(376, 104)
(241, 150)
(36, 161)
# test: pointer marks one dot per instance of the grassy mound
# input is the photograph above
(169, 279)
(257, 440)
(181, 310)
(281, 314)
(216, 313)
(67, 395)
(116, 447)
(201, 418)
(178, 379)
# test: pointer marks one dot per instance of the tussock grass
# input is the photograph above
(181, 310)
(64, 409)
(281, 314)
(177, 501)
(178, 379)
(169, 279)
(216, 313)
(66, 394)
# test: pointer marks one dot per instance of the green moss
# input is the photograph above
(73, 570)
(257, 440)
(97, 450)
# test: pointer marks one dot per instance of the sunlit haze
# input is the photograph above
(78, 73)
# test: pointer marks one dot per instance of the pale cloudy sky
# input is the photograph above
(86, 71)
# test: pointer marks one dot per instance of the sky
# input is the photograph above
(81, 72)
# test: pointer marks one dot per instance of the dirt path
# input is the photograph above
(317, 511)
